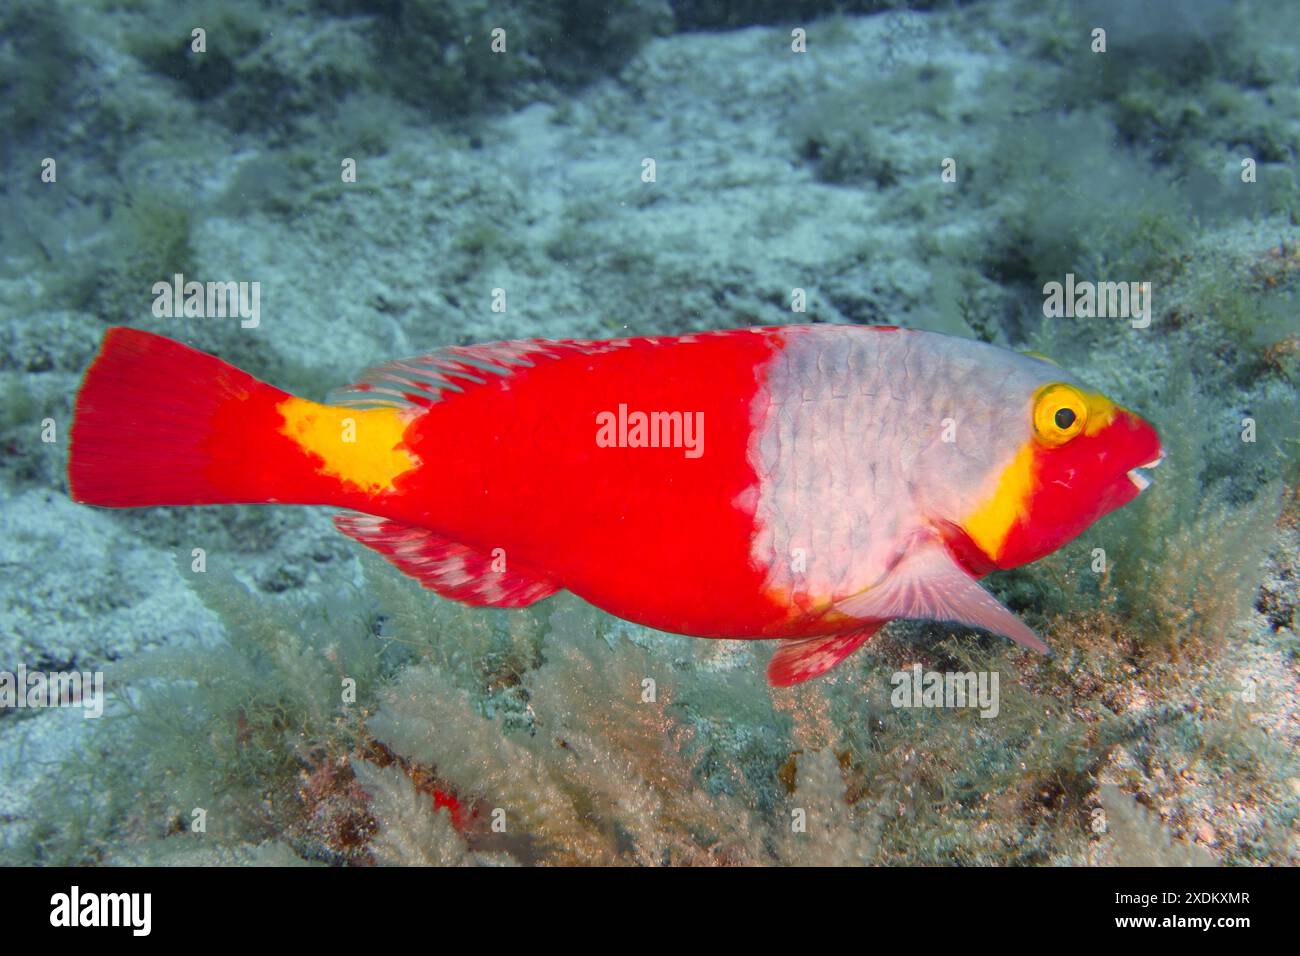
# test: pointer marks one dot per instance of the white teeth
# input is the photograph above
(1139, 479)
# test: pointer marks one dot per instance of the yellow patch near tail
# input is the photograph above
(989, 524)
(362, 447)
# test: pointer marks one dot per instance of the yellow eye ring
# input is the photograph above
(1060, 413)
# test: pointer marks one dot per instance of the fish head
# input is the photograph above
(1064, 456)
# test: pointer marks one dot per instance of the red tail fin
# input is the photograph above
(160, 423)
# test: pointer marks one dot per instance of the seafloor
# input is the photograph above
(1164, 730)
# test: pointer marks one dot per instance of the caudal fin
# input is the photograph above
(160, 423)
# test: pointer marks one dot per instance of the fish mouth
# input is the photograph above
(1139, 475)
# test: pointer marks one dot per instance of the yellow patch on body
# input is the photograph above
(989, 524)
(361, 447)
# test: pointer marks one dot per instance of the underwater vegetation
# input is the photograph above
(329, 711)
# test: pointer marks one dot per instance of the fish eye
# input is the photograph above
(1060, 413)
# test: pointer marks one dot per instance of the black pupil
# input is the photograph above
(1064, 418)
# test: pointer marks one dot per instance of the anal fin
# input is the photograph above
(452, 569)
(796, 661)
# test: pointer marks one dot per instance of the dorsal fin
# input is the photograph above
(419, 381)
(803, 659)
(452, 569)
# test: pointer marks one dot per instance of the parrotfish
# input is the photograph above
(806, 484)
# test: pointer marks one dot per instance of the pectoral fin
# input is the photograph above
(927, 584)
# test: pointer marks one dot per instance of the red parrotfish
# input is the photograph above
(801, 483)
